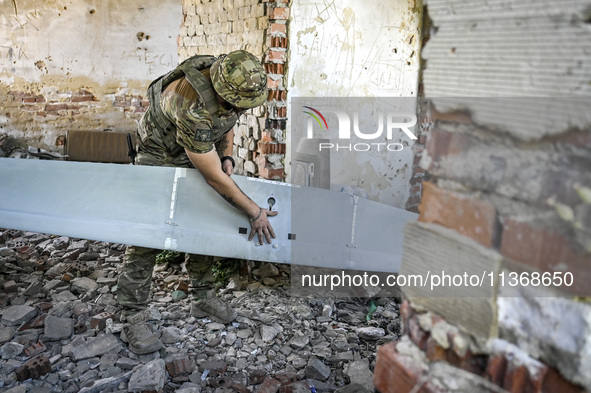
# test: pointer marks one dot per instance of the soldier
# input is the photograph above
(192, 110)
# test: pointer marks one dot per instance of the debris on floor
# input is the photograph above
(60, 328)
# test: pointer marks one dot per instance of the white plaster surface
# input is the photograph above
(352, 48)
(93, 39)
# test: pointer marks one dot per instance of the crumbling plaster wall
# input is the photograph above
(352, 49)
(73, 65)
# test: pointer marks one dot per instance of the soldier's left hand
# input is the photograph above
(227, 167)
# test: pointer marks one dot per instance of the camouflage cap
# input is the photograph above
(240, 79)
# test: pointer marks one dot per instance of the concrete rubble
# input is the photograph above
(60, 328)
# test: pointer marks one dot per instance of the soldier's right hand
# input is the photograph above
(261, 226)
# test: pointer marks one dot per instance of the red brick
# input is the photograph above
(470, 216)
(266, 137)
(34, 368)
(278, 29)
(270, 385)
(452, 117)
(554, 382)
(279, 13)
(82, 97)
(271, 148)
(577, 138)
(417, 334)
(276, 56)
(99, 321)
(546, 251)
(55, 107)
(179, 367)
(395, 374)
(274, 174)
(274, 68)
(415, 188)
(516, 379)
(278, 42)
(442, 143)
(434, 351)
(274, 83)
(121, 104)
(406, 310)
(496, 369)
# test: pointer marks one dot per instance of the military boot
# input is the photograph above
(139, 336)
(213, 308)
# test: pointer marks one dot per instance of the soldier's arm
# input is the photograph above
(209, 166)
(226, 145)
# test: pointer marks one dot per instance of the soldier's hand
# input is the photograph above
(262, 227)
(227, 167)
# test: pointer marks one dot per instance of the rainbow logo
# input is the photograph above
(316, 117)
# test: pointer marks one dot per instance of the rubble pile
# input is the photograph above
(60, 328)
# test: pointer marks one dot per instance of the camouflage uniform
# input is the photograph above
(184, 114)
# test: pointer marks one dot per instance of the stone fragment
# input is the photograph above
(359, 372)
(257, 376)
(266, 270)
(370, 332)
(317, 370)
(106, 280)
(64, 296)
(297, 387)
(16, 315)
(6, 333)
(321, 386)
(97, 346)
(83, 285)
(10, 286)
(58, 328)
(299, 340)
(269, 385)
(171, 335)
(101, 385)
(126, 363)
(215, 326)
(17, 389)
(268, 333)
(148, 377)
(10, 350)
(353, 388)
(286, 377)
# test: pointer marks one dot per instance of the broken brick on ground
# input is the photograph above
(60, 328)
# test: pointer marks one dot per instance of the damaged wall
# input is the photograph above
(80, 65)
(507, 205)
(347, 49)
(222, 26)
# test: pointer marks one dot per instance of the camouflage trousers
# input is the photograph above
(135, 279)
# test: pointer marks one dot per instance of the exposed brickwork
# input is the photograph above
(397, 373)
(261, 28)
(74, 104)
(547, 251)
(467, 215)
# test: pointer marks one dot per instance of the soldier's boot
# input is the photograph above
(204, 303)
(138, 335)
(213, 308)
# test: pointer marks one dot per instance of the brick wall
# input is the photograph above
(62, 110)
(503, 196)
(217, 27)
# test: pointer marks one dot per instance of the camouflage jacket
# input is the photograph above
(184, 114)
